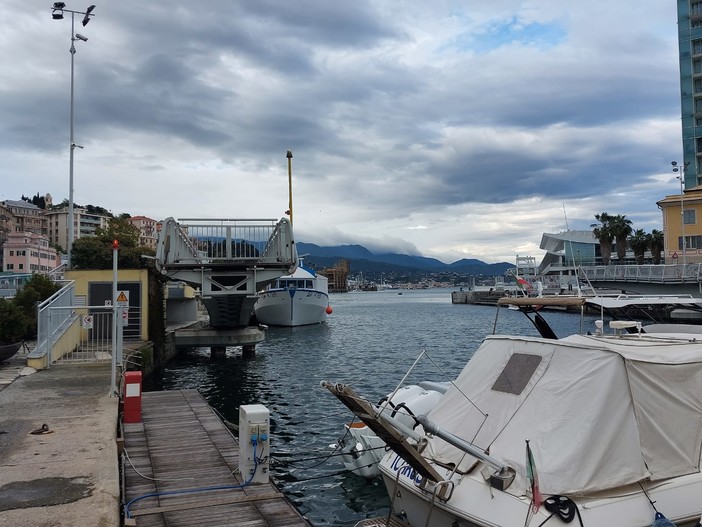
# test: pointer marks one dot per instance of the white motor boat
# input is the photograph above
(602, 428)
(361, 449)
(299, 299)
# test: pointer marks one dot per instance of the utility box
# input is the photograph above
(132, 397)
(254, 443)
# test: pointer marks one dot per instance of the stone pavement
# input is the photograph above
(58, 451)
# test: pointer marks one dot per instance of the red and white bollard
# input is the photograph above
(132, 397)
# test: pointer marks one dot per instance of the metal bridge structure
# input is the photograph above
(228, 261)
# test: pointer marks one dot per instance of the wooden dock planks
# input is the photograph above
(182, 445)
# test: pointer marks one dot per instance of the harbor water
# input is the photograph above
(369, 341)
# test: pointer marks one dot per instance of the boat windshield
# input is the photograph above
(293, 283)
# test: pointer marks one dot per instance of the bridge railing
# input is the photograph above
(212, 241)
(644, 273)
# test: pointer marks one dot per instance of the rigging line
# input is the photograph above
(387, 401)
(455, 385)
(647, 496)
(290, 462)
(333, 474)
(526, 397)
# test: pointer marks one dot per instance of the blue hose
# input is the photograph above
(127, 513)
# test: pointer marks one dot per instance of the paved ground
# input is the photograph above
(58, 453)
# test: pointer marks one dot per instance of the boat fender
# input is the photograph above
(563, 507)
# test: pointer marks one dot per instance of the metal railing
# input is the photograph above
(212, 241)
(94, 338)
(676, 273)
(52, 323)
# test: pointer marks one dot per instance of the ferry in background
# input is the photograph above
(298, 299)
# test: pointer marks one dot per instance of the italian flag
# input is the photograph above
(523, 283)
(536, 498)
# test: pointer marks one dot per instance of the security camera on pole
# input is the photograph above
(58, 9)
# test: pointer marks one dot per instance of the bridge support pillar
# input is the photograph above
(248, 351)
(218, 340)
(218, 352)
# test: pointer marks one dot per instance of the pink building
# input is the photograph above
(148, 230)
(28, 252)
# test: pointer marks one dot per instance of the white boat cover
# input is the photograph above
(599, 412)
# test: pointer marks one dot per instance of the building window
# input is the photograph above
(689, 217)
(696, 47)
(695, 8)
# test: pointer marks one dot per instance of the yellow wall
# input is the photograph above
(83, 278)
(673, 229)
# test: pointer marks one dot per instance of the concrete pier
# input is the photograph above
(58, 465)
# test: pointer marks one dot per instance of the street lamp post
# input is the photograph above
(681, 178)
(58, 9)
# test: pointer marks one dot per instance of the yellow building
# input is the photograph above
(680, 220)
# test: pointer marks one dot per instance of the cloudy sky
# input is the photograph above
(450, 129)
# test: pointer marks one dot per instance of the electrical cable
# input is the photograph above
(127, 512)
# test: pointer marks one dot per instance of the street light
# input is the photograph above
(57, 11)
(681, 178)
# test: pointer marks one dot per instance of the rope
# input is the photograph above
(563, 507)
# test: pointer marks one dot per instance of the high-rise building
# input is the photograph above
(690, 51)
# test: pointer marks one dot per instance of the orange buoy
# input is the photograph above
(329, 310)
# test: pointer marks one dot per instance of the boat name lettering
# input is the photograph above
(399, 465)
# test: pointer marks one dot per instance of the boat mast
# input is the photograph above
(290, 209)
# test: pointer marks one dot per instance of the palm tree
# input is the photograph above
(639, 242)
(621, 229)
(604, 235)
(656, 245)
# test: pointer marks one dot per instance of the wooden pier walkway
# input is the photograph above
(181, 445)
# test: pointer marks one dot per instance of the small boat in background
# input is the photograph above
(298, 299)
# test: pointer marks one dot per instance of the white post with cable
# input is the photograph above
(254, 443)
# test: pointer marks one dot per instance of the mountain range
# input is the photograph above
(361, 260)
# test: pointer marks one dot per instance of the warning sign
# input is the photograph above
(675, 256)
(88, 322)
(123, 298)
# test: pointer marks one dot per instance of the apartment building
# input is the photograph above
(148, 230)
(28, 252)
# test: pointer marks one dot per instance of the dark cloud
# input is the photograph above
(406, 123)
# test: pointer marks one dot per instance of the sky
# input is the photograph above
(447, 129)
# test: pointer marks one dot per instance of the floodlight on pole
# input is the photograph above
(58, 9)
(681, 177)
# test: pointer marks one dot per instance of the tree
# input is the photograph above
(639, 241)
(37, 289)
(604, 235)
(121, 230)
(657, 242)
(14, 324)
(95, 252)
(620, 227)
